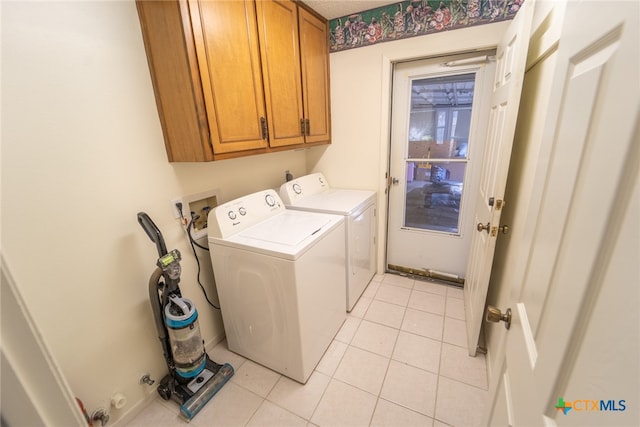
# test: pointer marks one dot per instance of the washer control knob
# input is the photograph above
(232, 215)
(296, 188)
(242, 211)
(270, 200)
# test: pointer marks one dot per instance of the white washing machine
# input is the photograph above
(313, 193)
(280, 275)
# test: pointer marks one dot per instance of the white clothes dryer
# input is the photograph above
(313, 193)
(280, 275)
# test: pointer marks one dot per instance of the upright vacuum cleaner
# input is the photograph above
(193, 378)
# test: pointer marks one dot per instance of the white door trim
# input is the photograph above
(469, 39)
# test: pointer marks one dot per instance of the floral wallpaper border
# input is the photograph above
(415, 18)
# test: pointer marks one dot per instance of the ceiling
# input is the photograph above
(332, 9)
(448, 91)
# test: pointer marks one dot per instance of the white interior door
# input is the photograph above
(511, 60)
(33, 388)
(438, 132)
(571, 354)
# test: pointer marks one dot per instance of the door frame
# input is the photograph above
(466, 40)
(483, 71)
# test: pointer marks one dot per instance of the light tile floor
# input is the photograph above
(400, 359)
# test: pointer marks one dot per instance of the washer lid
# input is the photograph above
(287, 228)
(287, 235)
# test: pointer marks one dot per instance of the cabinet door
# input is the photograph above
(226, 41)
(315, 76)
(280, 52)
(168, 41)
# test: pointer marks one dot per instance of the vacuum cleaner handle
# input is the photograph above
(153, 232)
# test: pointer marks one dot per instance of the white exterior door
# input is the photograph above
(571, 354)
(439, 118)
(511, 59)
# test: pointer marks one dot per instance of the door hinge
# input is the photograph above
(499, 204)
(302, 127)
(265, 128)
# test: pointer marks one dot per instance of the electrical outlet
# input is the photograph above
(196, 207)
(174, 208)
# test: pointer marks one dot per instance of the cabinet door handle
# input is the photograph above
(265, 128)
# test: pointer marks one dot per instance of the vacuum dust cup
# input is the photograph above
(187, 347)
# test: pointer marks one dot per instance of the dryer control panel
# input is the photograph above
(234, 216)
(302, 187)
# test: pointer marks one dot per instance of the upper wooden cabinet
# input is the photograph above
(235, 78)
(315, 76)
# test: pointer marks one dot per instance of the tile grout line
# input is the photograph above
(331, 377)
(435, 401)
(315, 408)
(384, 378)
(257, 409)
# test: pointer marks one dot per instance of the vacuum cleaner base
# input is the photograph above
(194, 394)
(191, 407)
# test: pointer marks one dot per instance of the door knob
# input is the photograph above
(394, 181)
(504, 229)
(495, 315)
(483, 227)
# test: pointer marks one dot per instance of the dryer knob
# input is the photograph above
(296, 188)
(270, 200)
(232, 215)
(242, 211)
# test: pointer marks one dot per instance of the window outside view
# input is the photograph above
(437, 145)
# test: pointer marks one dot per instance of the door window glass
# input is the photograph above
(439, 122)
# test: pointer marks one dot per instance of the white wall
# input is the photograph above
(360, 108)
(82, 153)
